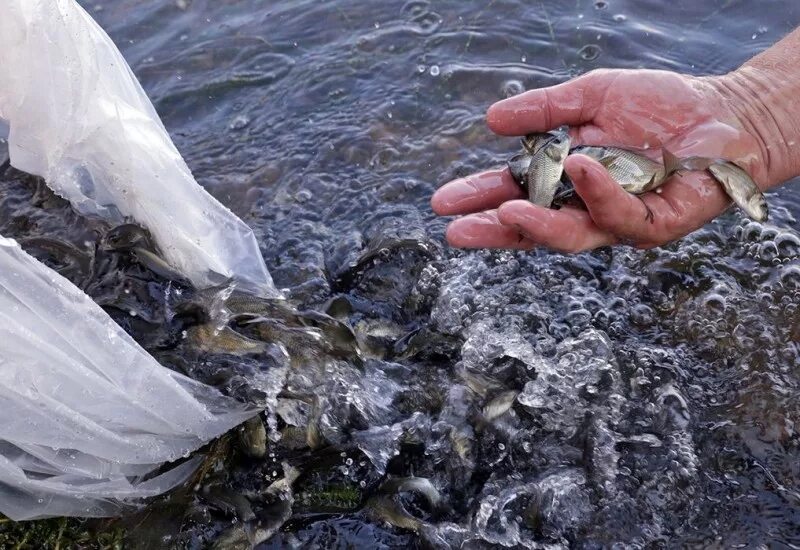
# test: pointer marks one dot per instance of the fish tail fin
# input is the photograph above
(672, 164)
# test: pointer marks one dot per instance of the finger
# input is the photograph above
(484, 230)
(565, 230)
(614, 210)
(476, 193)
(573, 103)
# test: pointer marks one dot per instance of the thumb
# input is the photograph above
(611, 208)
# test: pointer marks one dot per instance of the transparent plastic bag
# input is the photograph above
(86, 413)
(87, 418)
(79, 118)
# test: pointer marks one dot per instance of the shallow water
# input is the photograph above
(658, 390)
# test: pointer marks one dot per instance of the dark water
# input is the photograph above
(659, 390)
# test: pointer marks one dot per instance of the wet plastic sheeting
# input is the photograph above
(79, 118)
(86, 412)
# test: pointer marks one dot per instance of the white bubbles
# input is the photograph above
(434, 70)
(239, 122)
(512, 88)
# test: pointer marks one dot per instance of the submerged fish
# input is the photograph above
(539, 168)
(420, 485)
(133, 239)
(388, 509)
(253, 438)
(213, 339)
(500, 405)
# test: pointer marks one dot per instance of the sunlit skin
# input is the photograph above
(714, 117)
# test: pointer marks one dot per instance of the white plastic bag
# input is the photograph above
(87, 417)
(79, 118)
(84, 411)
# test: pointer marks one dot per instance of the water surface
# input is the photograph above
(658, 390)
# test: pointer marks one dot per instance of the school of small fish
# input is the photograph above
(539, 169)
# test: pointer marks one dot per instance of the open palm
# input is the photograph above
(643, 110)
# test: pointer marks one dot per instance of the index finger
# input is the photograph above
(475, 193)
(571, 103)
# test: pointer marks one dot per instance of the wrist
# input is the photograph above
(766, 102)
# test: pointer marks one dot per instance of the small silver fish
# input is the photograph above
(212, 339)
(635, 173)
(539, 168)
(520, 163)
(253, 438)
(500, 405)
(741, 188)
(388, 509)
(420, 485)
(736, 182)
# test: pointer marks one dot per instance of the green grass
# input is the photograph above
(58, 534)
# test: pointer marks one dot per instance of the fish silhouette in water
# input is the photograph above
(238, 323)
(137, 241)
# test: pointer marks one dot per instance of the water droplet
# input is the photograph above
(512, 88)
(239, 123)
(434, 70)
(590, 52)
(303, 195)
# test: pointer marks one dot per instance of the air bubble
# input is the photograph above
(239, 122)
(768, 251)
(788, 245)
(512, 88)
(590, 52)
(434, 70)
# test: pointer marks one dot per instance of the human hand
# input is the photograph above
(644, 110)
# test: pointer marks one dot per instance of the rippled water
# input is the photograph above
(656, 394)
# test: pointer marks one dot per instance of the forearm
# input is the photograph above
(765, 95)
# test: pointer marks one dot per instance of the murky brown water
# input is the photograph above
(659, 391)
